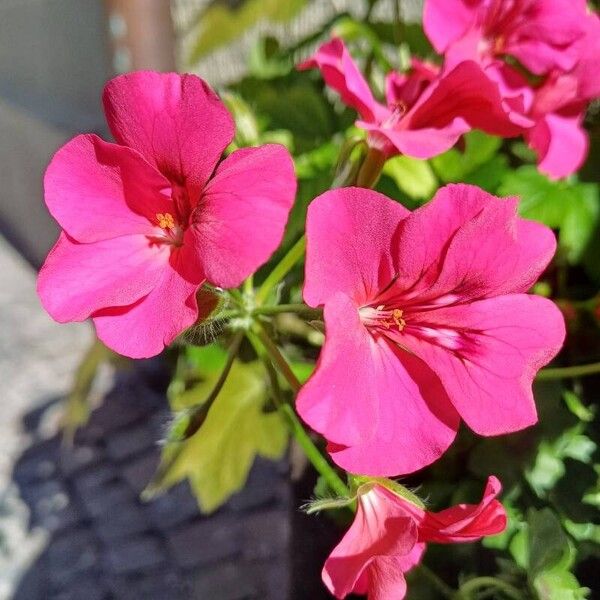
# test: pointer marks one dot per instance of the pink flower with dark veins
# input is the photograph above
(427, 321)
(390, 534)
(147, 220)
(541, 34)
(425, 112)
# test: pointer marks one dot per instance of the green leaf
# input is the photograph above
(78, 407)
(549, 546)
(246, 125)
(574, 404)
(454, 165)
(219, 24)
(572, 208)
(302, 370)
(581, 220)
(218, 457)
(559, 585)
(413, 176)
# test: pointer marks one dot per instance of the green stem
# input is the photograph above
(473, 585)
(269, 352)
(299, 309)
(285, 265)
(249, 286)
(436, 581)
(198, 413)
(370, 170)
(313, 453)
(568, 372)
(280, 362)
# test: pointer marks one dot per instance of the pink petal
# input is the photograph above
(561, 143)
(175, 121)
(487, 354)
(466, 92)
(490, 250)
(341, 74)
(546, 37)
(243, 212)
(364, 392)
(495, 253)
(78, 279)
(401, 88)
(418, 143)
(436, 223)
(380, 530)
(97, 191)
(466, 522)
(386, 579)
(144, 328)
(348, 238)
(445, 21)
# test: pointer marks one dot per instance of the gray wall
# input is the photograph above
(53, 63)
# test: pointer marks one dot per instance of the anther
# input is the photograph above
(165, 221)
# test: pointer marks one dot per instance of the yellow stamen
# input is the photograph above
(165, 221)
(397, 316)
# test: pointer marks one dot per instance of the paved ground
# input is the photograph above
(71, 522)
(37, 357)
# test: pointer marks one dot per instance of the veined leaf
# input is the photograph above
(218, 457)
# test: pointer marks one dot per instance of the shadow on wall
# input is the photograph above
(104, 543)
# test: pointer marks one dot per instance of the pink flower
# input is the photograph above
(148, 220)
(427, 321)
(541, 34)
(558, 108)
(389, 536)
(426, 112)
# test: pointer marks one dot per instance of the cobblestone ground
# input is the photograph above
(72, 526)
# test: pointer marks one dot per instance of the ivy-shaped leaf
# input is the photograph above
(218, 457)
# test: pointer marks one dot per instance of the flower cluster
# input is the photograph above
(540, 52)
(427, 313)
(511, 67)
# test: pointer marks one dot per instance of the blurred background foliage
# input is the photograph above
(551, 472)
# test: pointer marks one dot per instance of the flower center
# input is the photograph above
(172, 232)
(399, 109)
(392, 318)
(165, 221)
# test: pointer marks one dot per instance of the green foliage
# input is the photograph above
(217, 458)
(413, 176)
(219, 24)
(464, 166)
(550, 472)
(571, 207)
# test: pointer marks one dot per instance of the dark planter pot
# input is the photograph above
(104, 542)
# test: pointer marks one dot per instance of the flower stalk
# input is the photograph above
(269, 352)
(569, 372)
